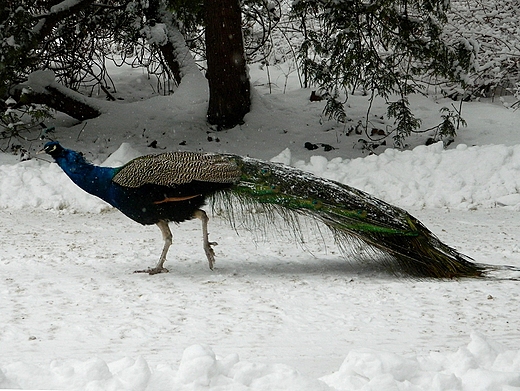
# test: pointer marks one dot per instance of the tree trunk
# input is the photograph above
(229, 88)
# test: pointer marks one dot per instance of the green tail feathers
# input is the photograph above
(351, 213)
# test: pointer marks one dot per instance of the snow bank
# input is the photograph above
(38, 184)
(481, 365)
(35, 184)
(431, 177)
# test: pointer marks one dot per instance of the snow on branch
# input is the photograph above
(57, 12)
(65, 5)
(164, 33)
(42, 88)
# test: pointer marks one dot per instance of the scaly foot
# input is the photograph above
(153, 270)
(210, 254)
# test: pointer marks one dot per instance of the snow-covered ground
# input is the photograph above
(271, 316)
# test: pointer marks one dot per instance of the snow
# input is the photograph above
(156, 34)
(473, 366)
(271, 316)
(38, 80)
(64, 5)
(429, 176)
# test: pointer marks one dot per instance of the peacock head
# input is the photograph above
(53, 148)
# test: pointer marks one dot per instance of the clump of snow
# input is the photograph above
(482, 365)
(11, 41)
(122, 155)
(189, 91)
(10, 102)
(283, 157)
(64, 5)
(156, 34)
(38, 80)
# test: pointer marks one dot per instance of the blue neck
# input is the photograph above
(93, 179)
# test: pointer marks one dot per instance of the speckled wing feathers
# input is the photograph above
(175, 168)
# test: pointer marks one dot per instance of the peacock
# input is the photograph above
(174, 186)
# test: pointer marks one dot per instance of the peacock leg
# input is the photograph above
(167, 236)
(210, 254)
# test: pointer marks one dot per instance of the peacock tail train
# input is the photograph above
(351, 213)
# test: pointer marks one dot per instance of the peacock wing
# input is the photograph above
(176, 168)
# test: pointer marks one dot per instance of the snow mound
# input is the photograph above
(481, 365)
(36, 184)
(121, 156)
(38, 80)
(431, 177)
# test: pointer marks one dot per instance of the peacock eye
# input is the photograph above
(51, 148)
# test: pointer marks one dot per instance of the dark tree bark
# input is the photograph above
(229, 88)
